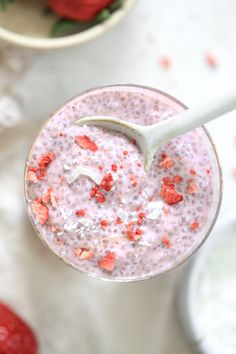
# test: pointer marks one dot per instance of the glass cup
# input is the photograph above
(62, 232)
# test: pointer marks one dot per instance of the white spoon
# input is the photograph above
(151, 137)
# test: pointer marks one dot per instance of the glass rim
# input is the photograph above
(182, 259)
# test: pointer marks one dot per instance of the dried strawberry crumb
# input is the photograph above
(32, 177)
(96, 193)
(193, 172)
(121, 167)
(53, 228)
(172, 180)
(93, 191)
(108, 262)
(141, 216)
(33, 169)
(166, 163)
(170, 195)
(132, 236)
(192, 187)
(165, 242)
(107, 182)
(42, 174)
(45, 198)
(125, 153)
(83, 253)
(133, 141)
(45, 160)
(114, 167)
(165, 62)
(40, 211)
(84, 142)
(80, 212)
(100, 168)
(163, 156)
(104, 223)
(194, 225)
(139, 164)
(118, 221)
(139, 231)
(211, 59)
(208, 171)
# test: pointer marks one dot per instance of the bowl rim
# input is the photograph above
(66, 41)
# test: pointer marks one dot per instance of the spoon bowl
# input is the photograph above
(151, 137)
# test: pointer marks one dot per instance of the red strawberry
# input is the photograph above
(82, 10)
(15, 335)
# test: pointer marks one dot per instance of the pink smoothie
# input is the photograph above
(91, 201)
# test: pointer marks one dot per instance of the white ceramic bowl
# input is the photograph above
(24, 25)
(199, 286)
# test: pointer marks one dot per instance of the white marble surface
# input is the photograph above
(72, 313)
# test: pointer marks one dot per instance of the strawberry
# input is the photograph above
(82, 10)
(15, 335)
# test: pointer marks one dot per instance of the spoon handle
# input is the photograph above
(193, 118)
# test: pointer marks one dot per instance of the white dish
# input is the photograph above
(205, 305)
(25, 26)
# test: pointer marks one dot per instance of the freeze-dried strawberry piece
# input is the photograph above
(41, 174)
(166, 163)
(85, 142)
(125, 153)
(165, 242)
(108, 262)
(141, 216)
(104, 224)
(134, 235)
(192, 187)
(49, 196)
(40, 211)
(170, 195)
(97, 194)
(194, 225)
(107, 182)
(45, 160)
(172, 180)
(31, 176)
(193, 172)
(83, 253)
(93, 191)
(80, 212)
(134, 180)
(131, 233)
(45, 198)
(114, 167)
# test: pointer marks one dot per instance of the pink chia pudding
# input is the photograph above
(90, 199)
